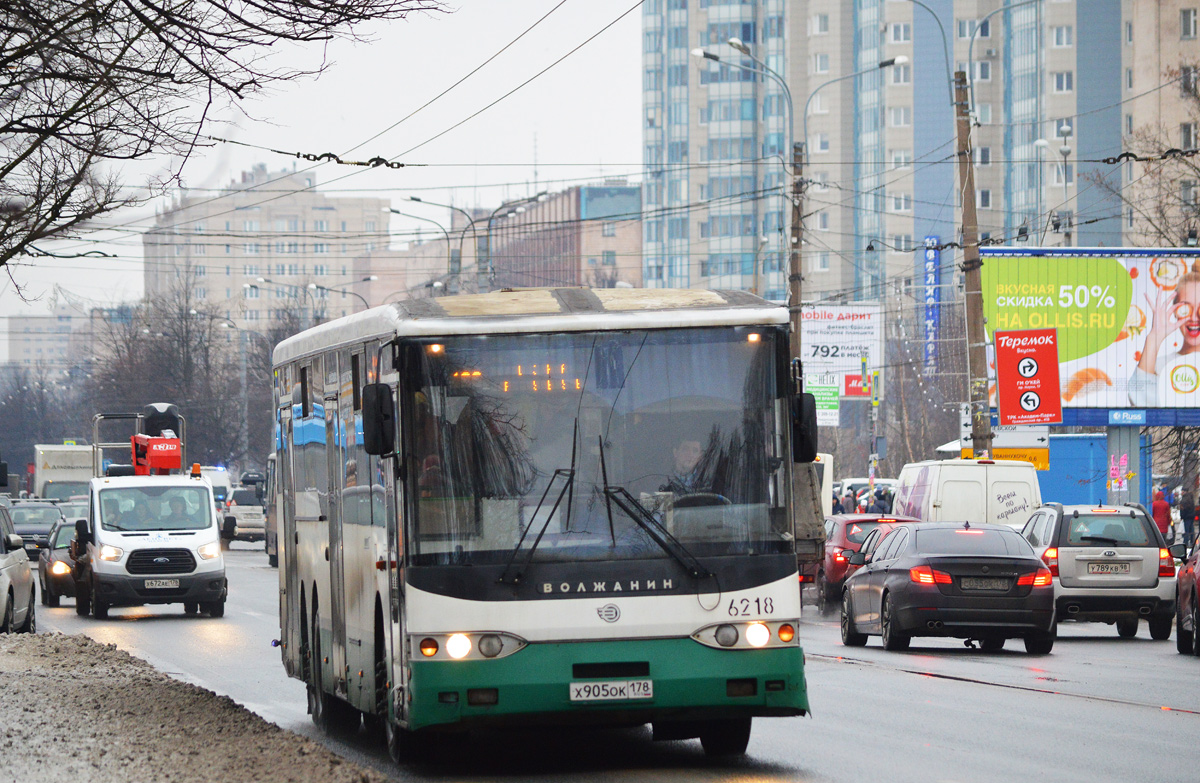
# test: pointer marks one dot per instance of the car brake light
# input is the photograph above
(925, 575)
(1166, 563)
(1038, 578)
(1050, 558)
(838, 554)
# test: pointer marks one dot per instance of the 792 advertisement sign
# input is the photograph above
(1027, 377)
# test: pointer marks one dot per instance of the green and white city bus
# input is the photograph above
(544, 506)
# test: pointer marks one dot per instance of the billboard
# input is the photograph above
(931, 272)
(836, 339)
(1128, 320)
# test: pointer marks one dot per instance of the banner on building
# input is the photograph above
(836, 339)
(932, 275)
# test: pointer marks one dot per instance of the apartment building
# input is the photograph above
(870, 83)
(1161, 46)
(254, 251)
(44, 341)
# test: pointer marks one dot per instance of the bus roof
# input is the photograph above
(535, 310)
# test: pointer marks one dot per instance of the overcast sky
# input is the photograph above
(582, 116)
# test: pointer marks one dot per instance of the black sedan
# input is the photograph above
(54, 565)
(980, 582)
(32, 520)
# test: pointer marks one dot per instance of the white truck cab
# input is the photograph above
(152, 540)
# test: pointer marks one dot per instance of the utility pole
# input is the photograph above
(977, 381)
(795, 273)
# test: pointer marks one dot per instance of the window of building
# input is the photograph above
(983, 113)
(1187, 135)
(252, 292)
(822, 221)
(902, 243)
(1187, 23)
(821, 63)
(900, 116)
(200, 293)
(983, 198)
(1187, 80)
(1064, 35)
(983, 156)
(900, 32)
(608, 229)
(677, 76)
(370, 226)
(250, 225)
(1058, 174)
(901, 74)
(320, 225)
(1128, 124)
(1129, 78)
(652, 80)
(818, 105)
(677, 151)
(901, 202)
(821, 142)
(250, 248)
(901, 159)
(1129, 32)
(677, 228)
(1064, 81)
(609, 257)
(772, 27)
(967, 27)
(677, 37)
(1187, 192)
(200, 250)
(820, 181)
(321, 247)
(1129, 217)
(677, 113)
(983, 71)
(773, 106)
(818, 24)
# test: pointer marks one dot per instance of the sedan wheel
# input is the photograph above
(992, 644)
(1042, 642)
(892, 640)
(850, 636)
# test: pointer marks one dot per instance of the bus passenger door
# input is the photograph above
(289, 571)
(337, 583)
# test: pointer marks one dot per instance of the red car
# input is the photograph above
(1187, 612)
(845, 533)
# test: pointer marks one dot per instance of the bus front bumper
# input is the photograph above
(690, 681)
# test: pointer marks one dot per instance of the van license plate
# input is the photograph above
(612, 690)
(1108, 568)
(161, 583)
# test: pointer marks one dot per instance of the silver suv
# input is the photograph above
(1109, 563)
(244, 516)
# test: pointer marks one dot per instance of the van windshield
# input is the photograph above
(155, 508)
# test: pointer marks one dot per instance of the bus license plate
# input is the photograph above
(161, 583)
(612, 690)
(1108, 568)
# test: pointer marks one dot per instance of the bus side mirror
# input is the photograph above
(379, 419)
(804, 428)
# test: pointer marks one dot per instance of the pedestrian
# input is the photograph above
(1187, 515)
(879, 504)
(1160, 510)
(849, 506)
(837, 504)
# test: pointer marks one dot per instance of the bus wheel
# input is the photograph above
(727, 737)
(329, 713)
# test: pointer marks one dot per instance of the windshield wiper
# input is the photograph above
(569, 475)
(646, 521)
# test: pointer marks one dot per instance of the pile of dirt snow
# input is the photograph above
(74, 709)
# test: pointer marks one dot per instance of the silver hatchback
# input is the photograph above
(17, 605)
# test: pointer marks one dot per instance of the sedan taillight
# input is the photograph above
(924, 575)
(1050, 558)
(1038, 578)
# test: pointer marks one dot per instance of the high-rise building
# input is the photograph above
(870, 82)
(251, 252)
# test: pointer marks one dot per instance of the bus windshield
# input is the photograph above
(155, 508)
(534, 436)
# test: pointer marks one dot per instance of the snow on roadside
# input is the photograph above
(74, 709)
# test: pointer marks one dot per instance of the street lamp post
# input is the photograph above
(971, 44)
(309, 315)
(449, 254)
(341, 286)
(514, 206)
(455, 262)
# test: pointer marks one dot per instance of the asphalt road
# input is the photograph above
(1098, 708)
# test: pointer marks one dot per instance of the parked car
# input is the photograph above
(17, 605)
(244, 520)
(54, 565)
(980, 582)
(979, 491)
(32, 520)
(1187, 601)
(1109, 563)
(844, 535)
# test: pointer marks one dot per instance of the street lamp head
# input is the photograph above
(313, 286)
(248, 286)
(736, 43)
(1064, 150)
(262, 279)
(1041, 143)
(370, 278)
(705, 55)
(414, 198)
(898, 60)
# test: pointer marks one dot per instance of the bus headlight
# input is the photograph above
(490, 645)
(757, 635)
(458, 646)
(110, 552)
(209, 551)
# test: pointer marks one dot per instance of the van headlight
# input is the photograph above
(209, 551)
(110, 552)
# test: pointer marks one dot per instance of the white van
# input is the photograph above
(222, 484)
(151, 540)
(999, 492)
